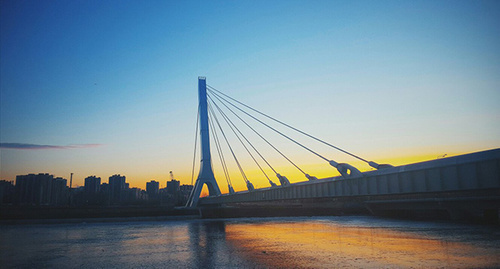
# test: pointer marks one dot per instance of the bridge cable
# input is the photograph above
(229, 122)
(269, 143)
(195, 143)
(291, 127)
(220, 153)
(229, 145)
(227, 141)
(313, 152)
(231, 125)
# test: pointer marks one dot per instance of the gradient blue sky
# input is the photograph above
(112, 85)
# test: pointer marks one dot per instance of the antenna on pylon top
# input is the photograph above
(171, 175)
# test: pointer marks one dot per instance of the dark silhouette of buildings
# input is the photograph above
(41, 189)
(117, 189)
(184, 192)
(153, 189)
(173, 187)
(47, 190)
(135, 196)
(59, 191)
(92, 185)
(92, 191)
(176, 193)
(105, 189)
(7, 191)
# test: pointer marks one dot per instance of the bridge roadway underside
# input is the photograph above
(462, 187)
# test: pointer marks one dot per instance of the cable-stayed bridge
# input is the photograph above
(459, 187)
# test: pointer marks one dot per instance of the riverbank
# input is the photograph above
(13, 215)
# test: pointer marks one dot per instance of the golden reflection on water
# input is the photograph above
(331, 245)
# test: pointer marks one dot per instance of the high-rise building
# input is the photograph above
(41, 189)
(59, 191)
(173, 186)
(7, 191)
(33, 189)
(105, 190)
(92, 185)
(116, 188)
(92, 191)
(153, 189)
(105, 187)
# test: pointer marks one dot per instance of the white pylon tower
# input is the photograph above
(206, 175)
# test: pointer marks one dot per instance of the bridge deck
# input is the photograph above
(467, 178)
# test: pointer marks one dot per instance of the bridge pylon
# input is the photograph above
(206, 175)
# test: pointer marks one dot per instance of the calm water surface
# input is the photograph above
(322, 242)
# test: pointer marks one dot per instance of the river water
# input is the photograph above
(318, 242)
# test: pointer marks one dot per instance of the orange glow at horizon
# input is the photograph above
(138, 178)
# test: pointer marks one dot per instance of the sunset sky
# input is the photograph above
(110, 87)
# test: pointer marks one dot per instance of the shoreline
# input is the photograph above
(95, 220)
(30, 215)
